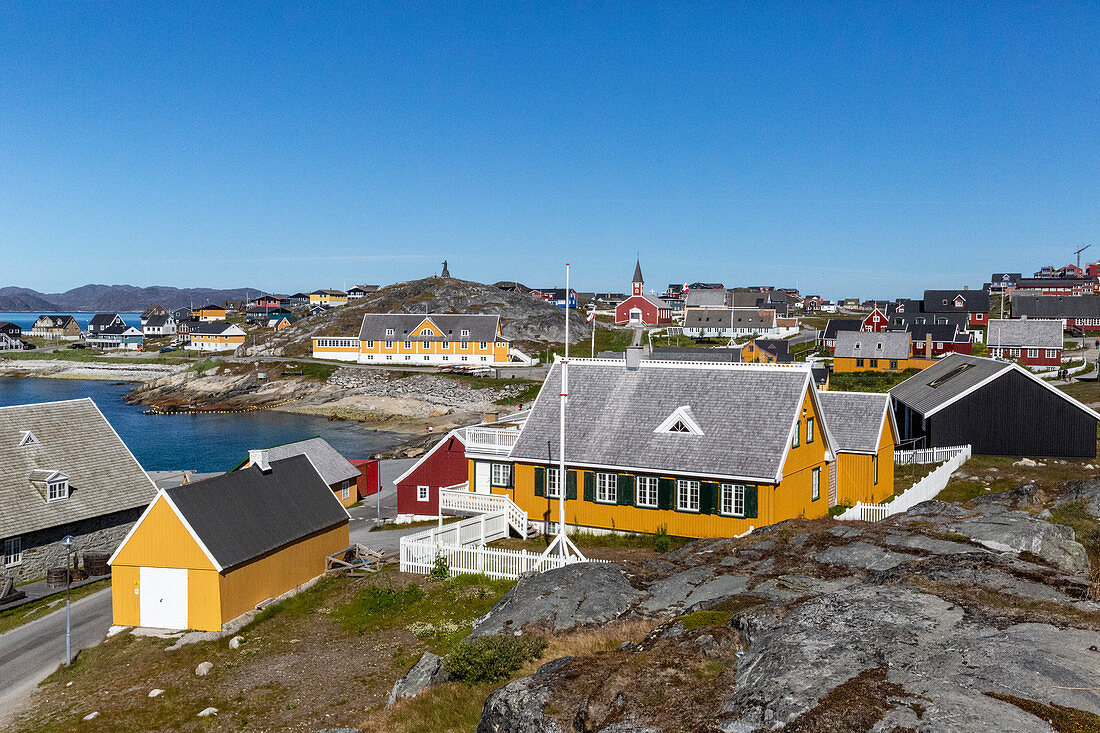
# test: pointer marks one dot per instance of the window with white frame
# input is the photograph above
(408, 344)
(425, 332)
(483, 345)
(57, 490)
(13, 552)
(797, 432)
(1052, 353)
(370, 344)
(502, 474)
(345, 493)
(687, 495)
(733, 500)
(464, 345)
(389, 344)
(553, 483)
(421, 493)
(647, 491)
(446, 344)
(606, 488)
(389, 332)
(874, 462)
(809, 429)
(465, 332)
(815, 480)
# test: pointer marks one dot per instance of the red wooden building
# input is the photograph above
(369, 481)
(1029, 341)
(640, 308)
(418, 488)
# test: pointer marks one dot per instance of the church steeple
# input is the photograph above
(638, 281)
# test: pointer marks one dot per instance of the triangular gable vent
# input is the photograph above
(680, 421)
(27, 438)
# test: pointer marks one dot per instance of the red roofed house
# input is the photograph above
(640, 308)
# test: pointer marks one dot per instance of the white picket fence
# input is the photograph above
(925, 489)
(492, 562)
(929, 455)
(459, 499)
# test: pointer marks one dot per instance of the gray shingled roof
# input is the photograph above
(332, 466)
(950, 378)
(870, 345)
(746, 414)
(753, 317)
(244, 514)
(72, 437)
(975, 301)
(854, 419)
(405, 327)
(1028, 332)
(206, 328)
(836, 325)
(713, 297)
(730, 355)
(708, 317)
(1056, 306)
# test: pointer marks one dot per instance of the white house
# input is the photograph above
(159, 326)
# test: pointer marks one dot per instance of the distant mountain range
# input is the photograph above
(116, 298)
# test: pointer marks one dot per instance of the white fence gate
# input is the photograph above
(925, 489)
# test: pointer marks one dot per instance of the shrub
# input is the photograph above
(661, 542)
(492, 658)
(440, 569)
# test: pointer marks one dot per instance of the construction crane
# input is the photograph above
(1078, 253)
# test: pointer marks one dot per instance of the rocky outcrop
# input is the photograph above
(558, 600)
(521, 705)
(427, 672)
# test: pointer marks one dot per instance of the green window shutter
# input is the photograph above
(750, 502)
(666, 489)
(708, 497)
(540, 481)
(625, 490)
(589, 486)
(570, 484)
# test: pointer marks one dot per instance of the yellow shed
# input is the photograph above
(202, 554)
(865, 434)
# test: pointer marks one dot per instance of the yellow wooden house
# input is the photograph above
(329, 298)
(869, 351)
(434, 339)
(701, 449)
(203, 554)
(215, 336)
(209, 313)
(862, 425)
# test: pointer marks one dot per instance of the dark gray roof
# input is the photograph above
(836, 325)
(975, 301)
(870, 345)
(332, 466)
(1026, 332)
(1056, 306)
(213, 327)
(1025, 283)
(406, 327)
(102, 320)
(55, 321)
(705, 297)
(72, 437)
(745, 412)
(157, 321)
(244, 514)
(638, 272)
(676, 353)
(948, 378)
(937, 331)
(855, 419)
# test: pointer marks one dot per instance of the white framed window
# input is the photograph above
(370, 344)
(421, 493)
(553, 483)
(345, 493)
(389, 332)
(1032, 353)
(732, 500)
(815, 483)
(446, 344)
(647, 491)
(607, 488)
(425, 332)
(464, 345)
(687, 495)
(502, 474)
(483, 345)
(389, 344)
(1052, 353)
(809, 429)
(874, 463)
(797, 434)
(427, 357)
(13, 552)
(465, 332)
(427, 344)
(408, 344)
(408, 357)
(57, 490)
(389, 357)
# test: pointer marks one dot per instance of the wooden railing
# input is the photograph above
(420, 557)
(929, 455)
(455, 499)
(497, 441)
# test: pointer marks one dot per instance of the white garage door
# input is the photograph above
(163, 594)
(481, 478)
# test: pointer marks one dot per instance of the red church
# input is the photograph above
(641, 309)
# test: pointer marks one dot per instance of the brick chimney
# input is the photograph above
(258, 457)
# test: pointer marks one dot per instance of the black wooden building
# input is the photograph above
(998, 408)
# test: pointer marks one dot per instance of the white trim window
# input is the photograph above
(1032, 353)
(408, 344)
(422, 493)
(732, 500)
(809, 429)
(607, 488)
(57, 490)
(345, 492)
(797, 434)
(1052, 353)
(13, 552)
(815, 484)
(647, 491)
(502, 474)
(465, 332)
(553, 483)
(687, 495)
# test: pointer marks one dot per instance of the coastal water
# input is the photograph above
(26, 320)
(196, 442)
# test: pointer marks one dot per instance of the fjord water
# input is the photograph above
(196, 442)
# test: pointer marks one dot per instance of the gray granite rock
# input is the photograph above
(862, 555)
(427, 672)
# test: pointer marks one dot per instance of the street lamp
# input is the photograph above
(68, 542)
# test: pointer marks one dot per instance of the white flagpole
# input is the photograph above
(561, 425)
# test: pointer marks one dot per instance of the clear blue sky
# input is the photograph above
(848, 148)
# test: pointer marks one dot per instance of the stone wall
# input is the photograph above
(43, 549)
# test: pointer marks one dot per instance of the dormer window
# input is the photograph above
(465, 332)
(389, 332)
(27, 438)
(57, 490)
(679, 427)
(681, 421)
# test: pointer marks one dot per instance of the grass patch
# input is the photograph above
(303, 604)
(853, 707)
(413, 525)
(961, 492)
(837, 510)
(868, 381)
(206, 365)
(1060, 718)
(309, 370)
(1076, 515)
(16, 617)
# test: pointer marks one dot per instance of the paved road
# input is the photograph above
(364, 517)
(28, 654)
